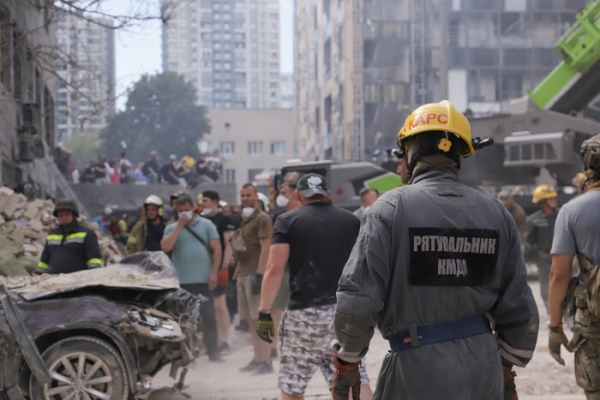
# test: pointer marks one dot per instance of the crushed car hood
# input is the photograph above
(145, 271)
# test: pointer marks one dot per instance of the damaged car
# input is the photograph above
(96, 334)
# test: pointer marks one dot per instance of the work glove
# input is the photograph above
(510, 389)
(256, 284)
(556, 339)
(265, 328)
(346, 377)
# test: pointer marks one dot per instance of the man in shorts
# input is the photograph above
(316, 239)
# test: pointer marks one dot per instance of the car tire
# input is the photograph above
(80, 355)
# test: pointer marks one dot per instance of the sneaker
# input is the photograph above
(274, 353)
(252, 365)
(263, 368)
(225, 349)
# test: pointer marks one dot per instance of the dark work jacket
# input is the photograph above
(70, 252)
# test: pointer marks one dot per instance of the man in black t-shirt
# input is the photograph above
(316, 239)
(210, 204)
(89, 174)
(151, 169)
(169, 171)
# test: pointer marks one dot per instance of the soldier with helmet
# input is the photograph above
(147, 233)
(438, 268)
(539, 233)
(71, 247)
(577, 234)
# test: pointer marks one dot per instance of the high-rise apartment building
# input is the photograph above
(85, 64)
(370, 62)
(229, 50)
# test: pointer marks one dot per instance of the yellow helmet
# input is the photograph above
(440, 116)
(579, 179)
(543, 192)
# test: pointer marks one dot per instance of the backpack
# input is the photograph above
(590, 274)
(238, 242)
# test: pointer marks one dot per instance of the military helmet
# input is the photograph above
(590, 153)
(543, 192)
(442, 117)
(66, 205)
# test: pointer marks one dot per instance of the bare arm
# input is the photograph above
(278, 257)
(265, 243)
(228, 253)
(560, 275)
(215, 245)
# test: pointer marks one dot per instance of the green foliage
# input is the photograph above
(161, 114)
(83, 147)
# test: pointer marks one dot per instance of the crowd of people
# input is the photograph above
(186, 171)
(437, 266)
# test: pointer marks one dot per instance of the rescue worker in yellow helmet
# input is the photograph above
(147, 233)
(71, 247)
(539, 234)
(435, 266)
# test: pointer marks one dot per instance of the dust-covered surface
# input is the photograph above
(13, 260)
(149, 271)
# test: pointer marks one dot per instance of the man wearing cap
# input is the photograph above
(539, 234)
(70, 247)
(316, 239)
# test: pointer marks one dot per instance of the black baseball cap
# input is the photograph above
(312, 184)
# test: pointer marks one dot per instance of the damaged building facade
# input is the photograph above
(27, 125)
(363, 65)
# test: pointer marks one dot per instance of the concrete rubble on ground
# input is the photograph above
(24, 226)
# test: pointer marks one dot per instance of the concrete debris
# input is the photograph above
(23, 229)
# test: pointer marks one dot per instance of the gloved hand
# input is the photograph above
(256, 283)
(556, 339)
(510, 389)
(346, 377)
(265, 328)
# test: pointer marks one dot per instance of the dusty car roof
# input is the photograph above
(147, 271)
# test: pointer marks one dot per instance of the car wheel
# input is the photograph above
(82, 368)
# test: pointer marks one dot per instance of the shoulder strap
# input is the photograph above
(208, 248)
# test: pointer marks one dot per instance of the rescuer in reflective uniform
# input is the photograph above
(436, 264)
(70, 247)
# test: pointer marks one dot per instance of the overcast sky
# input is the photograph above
(139, 51)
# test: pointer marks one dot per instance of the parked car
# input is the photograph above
(96, 334)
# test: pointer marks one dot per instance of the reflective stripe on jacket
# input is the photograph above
(69, 252)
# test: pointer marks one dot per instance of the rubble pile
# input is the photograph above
(25, 226)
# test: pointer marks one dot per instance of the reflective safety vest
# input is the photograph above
(72, 251)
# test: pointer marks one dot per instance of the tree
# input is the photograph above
(160, 114)
(84, 148)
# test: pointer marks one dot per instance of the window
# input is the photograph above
(278, 148)
(229, 176)
(227, 147)
(255, 148)
(252, 174)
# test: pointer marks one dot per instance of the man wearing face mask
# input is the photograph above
(257, 229)
(211, 211)
(539, 234)
(70, 247)
(192, 240)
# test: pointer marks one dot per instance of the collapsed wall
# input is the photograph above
(24, 226)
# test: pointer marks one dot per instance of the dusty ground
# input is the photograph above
(542, 379)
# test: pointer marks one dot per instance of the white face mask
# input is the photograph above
(188, 213)
(206, 212)
(282, 201)
(247, 211)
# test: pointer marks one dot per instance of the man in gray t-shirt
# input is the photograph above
(577, 231)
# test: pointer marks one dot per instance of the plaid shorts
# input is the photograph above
(305, 337)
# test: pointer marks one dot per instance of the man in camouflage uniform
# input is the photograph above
(317, 239)
(577, 233)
